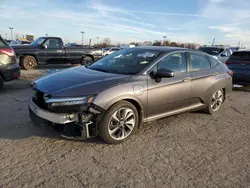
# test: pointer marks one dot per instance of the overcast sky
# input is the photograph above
(132, 20)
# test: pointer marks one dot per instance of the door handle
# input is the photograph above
(186, 79)
(59, 50)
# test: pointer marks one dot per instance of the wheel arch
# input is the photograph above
(23, 55)
(88, 55)
(216, 86)
(131, 99)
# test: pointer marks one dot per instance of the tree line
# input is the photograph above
(107, 43)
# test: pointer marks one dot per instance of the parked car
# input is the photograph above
(108, 51)
(19, 42)
(239, 63)
(50, 50)
(220, 53)
(73, 45)
(9, 68)
(115, 95)
(127, 46)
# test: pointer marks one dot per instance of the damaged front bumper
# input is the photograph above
(80, 125)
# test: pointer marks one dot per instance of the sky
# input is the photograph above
(128, 21)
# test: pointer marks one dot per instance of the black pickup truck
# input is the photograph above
(51, 50)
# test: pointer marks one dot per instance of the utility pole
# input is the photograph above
(82, 36)
(11, 28)
(213, 42)
(239, 44)
(97, 40)
(164, 40)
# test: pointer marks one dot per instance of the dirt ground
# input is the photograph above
(186, 150)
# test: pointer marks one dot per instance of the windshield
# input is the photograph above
(211, 51)
(127, 61)
(38, 42)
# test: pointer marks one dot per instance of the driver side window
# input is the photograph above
(175, 62)
(52, 43)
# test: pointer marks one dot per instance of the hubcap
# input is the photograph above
(30, 63)
(121, 123)
(87, 62)
(217, 100)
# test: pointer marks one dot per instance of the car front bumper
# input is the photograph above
(52, 117)
(67, 125)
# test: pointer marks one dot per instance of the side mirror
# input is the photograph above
(223, 54)
(44, 46)
(164, 73)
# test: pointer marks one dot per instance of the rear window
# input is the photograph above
(211, 50)
(213, 61)
(241, 54)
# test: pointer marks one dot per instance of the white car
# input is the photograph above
(107, 51)
(220, 53)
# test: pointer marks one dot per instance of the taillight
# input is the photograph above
(231, 73)
(228, 62)
(7, 51)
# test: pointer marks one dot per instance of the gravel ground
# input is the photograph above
(186, 150)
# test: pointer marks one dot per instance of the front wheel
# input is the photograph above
(119, 122)
(215, 101)
(87, 61)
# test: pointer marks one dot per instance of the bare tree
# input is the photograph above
(157, 43)
(107, 41)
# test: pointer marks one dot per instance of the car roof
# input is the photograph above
(243, 50)
(168, 49)
(51, 37)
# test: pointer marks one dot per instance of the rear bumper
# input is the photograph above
(241, 79)
(11, 72)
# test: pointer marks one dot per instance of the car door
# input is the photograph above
(170, 94)
(202, 75)
(55, 53)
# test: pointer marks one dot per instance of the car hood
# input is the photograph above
(78, 81)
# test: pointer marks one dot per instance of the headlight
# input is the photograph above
(55, 102)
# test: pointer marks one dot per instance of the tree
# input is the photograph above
(157, 43)
(147, 43)
(107, 41)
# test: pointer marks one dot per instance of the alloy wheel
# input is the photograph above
(121, 123)
(217, 100)
(30, 63)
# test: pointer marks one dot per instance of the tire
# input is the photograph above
(113, 131)
(29, 62)
(87, 61)
(1, 83)
(215, 101)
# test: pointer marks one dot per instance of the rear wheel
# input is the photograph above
(1, 83)
(119, 122)
(215, 101)
(29, 62)
(87, 61)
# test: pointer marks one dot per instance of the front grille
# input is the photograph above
(38, 99)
